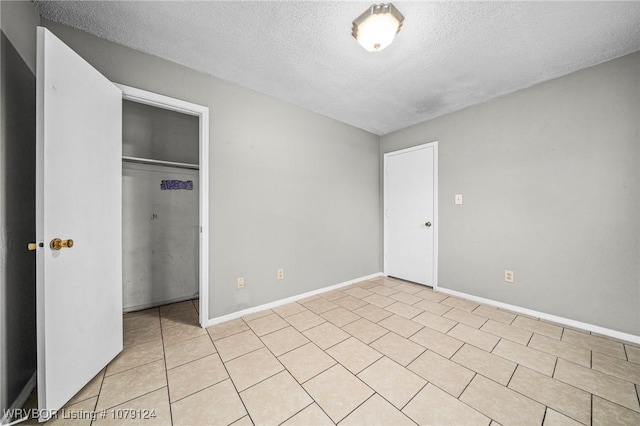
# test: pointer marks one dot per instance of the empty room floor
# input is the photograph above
(377, 352)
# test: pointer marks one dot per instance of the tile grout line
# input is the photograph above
(166, 372)
(199, 390)
(548, 407)
(513, 373)
(134, 398)
(513, 390)
(262, 380)
(182, 341)
(239, 356)
(193, 360)
(414, 395)
(338, 363)
(614, 403)
(232, 334)
(530, 339)
(475, 373)
(133, 368)
(332, 346)
(367, 385)
(544, 416)
(362, 403)
(454, 354)
(570, 385)
(463, 391)
(380, 337)
(224, 365)
(350, 322)
(104, 377)
(295, 379)
(364, 343)
(467, 385)
(300, 411)
(95, 406)
(626, 354)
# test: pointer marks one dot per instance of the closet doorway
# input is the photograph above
(164, 201)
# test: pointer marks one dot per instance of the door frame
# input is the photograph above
(434, 145)
(160, 101)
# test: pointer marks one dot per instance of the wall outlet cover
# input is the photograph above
(509, 276)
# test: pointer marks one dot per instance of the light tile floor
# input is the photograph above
(378, 352)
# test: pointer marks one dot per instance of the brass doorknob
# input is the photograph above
(57, 244)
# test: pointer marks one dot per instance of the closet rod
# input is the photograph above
(161, 163)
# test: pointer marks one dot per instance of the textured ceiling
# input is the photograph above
(448, 55)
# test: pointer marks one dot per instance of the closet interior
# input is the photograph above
(160, 223)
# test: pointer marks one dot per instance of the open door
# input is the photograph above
(79, 202)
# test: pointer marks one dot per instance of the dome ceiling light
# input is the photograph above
(376, 28)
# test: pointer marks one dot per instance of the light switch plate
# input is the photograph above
(458, 199)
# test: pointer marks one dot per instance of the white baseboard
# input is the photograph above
(271, 305)
(22, 398)
(548, 317)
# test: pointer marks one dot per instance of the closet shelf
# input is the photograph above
(161, 163)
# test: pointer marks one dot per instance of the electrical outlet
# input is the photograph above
(240, 282)
(281, 274)
(509, 276)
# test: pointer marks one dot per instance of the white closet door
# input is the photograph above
(78, 190)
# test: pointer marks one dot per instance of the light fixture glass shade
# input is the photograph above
(376, 28)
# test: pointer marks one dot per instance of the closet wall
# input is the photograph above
(160, 206)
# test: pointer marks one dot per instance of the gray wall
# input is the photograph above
(288, 188)
(17, 199)
(550, 178)
(160, 237)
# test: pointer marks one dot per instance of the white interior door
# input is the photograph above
(410, 214)
(78, 190)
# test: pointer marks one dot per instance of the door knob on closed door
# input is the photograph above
(428, 224)
(57, 244)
